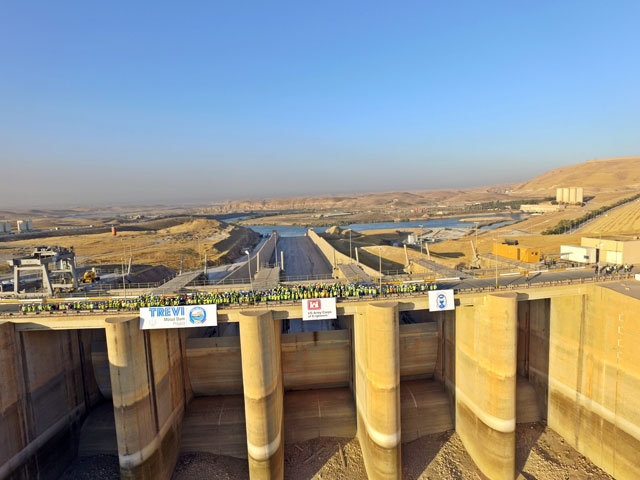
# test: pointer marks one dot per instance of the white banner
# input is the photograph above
(181, 316)
(319, 309)
(440, 300)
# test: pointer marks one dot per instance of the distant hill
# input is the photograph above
(596, 175)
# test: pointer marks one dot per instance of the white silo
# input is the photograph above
(30, 225)
(21, 226)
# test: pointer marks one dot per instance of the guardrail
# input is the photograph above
(611, 278)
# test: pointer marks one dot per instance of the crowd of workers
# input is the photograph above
(282, 293)
(613, 269)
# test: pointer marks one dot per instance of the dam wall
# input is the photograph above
(388, 373)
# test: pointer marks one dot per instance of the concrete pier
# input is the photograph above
(377, 392)
(148, 398)
(263, 393)
(486, 342)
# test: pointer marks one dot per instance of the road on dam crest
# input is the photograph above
(301, 257)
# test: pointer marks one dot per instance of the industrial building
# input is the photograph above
(514, 252)
(579, 254)
(540, 208)
(615, 249)
(570, 195)
(24, 226)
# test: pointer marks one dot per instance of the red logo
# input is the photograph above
(313, 304)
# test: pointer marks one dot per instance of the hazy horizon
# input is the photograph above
(155, 104)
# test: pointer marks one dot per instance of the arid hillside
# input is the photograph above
(162, 242)
(594, 176)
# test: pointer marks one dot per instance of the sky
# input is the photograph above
(175, 102)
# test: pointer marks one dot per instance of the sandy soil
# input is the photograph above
(541, 454)
(221, 243)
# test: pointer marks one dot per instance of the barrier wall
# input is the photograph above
(215, 365)
(594, 377)
(46, 387)
(309, 360)
(316, 359)
(334, 257)
(419, 346)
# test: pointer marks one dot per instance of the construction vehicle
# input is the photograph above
(90, 276)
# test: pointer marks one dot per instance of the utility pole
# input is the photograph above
(495, 257)
(380, 258)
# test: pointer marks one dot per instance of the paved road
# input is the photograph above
(301, 257)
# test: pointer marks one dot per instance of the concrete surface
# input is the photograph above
(566, 354)
(301, 257)
(486, 362)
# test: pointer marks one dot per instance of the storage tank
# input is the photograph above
(565, 194)
(7, 227)
(114, 231)
(572, 195)
(1, 227)
(559, 195)
(580, 195)
(21, 226)
(30, 225)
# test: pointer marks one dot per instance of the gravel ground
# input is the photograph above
(541, 454)
(98, 467)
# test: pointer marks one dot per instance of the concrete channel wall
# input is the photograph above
(594, 378)
(334, 257)
(262, 255)
(46, 390)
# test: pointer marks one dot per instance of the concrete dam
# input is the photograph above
(385, 371)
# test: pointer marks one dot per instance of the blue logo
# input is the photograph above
(442, 301)
(197, 315)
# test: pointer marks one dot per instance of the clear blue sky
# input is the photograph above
(202, 101)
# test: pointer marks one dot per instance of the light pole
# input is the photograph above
(246, 250)
(350, 257)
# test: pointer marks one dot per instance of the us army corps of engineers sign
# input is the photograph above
(182, 316)
(319, 309)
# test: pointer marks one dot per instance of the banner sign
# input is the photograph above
(181, 316)
(440, 300)
(319, 309)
